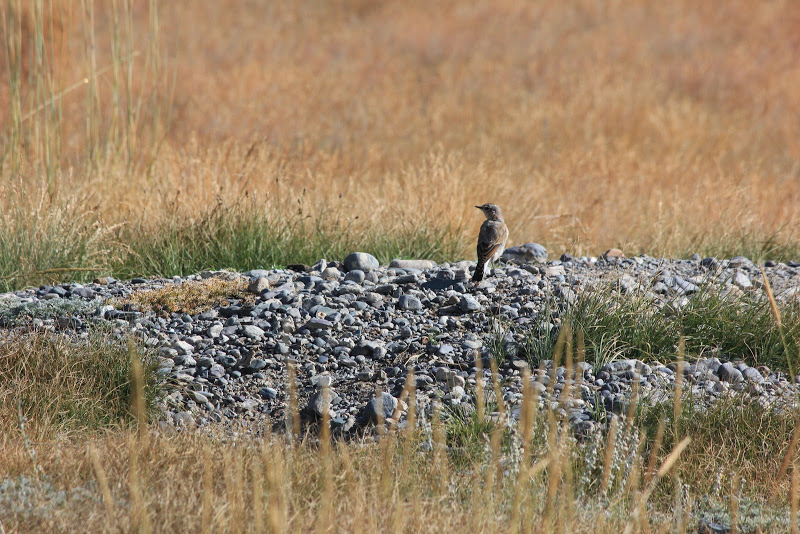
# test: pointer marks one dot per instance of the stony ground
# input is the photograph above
(356, 328)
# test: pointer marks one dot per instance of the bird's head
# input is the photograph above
(491, 211)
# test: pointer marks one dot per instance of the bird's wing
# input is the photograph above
(491, 238)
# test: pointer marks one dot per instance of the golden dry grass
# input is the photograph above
(226, 480)
(191, 297)
(658, 127)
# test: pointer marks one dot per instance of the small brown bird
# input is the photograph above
(491, 239)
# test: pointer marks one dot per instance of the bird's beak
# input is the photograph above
(478, 207)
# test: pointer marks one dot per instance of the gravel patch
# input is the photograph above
(354, 329)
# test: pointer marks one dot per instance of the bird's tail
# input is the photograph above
(478, 276)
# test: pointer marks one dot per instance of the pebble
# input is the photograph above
(360, 326)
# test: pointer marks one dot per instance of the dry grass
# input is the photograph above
(665, 128)
(532, 478)
(666, 469)
(191, 297)
(59, 385)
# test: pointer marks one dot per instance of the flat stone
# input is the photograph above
(421, 265)
(468, 303)
(252, 332)
(316, 323)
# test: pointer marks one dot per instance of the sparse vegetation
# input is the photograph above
(190, 297)
(614, 325)
(57, 384)
(324, 127)
(467, 469)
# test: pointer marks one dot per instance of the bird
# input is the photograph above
(491, 239)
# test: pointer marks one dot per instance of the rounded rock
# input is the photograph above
(361, 261)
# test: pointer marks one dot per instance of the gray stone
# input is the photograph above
(356, 275)
(214, 331)
(421, 265)
(410, 302)
(383, 406)
(268, 393)
(331, 273)
(729, 373)
(183, 347)
(527, 253)
(256, 364)
(468, 303)
(361, 261)
(252, 332)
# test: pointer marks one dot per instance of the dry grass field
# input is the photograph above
(665, 128)
(143, 137)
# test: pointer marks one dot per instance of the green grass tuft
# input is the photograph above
(614, 325)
